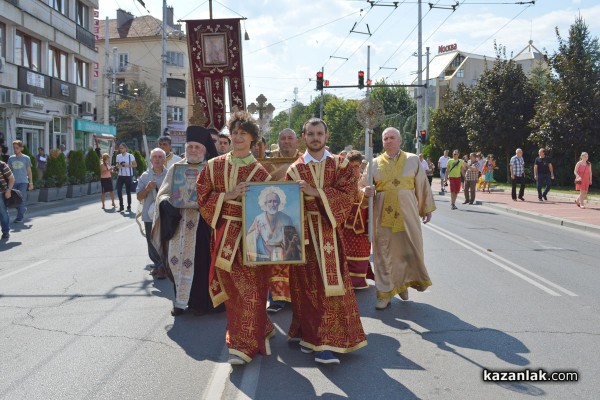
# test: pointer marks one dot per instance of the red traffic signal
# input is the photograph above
(423, 137)
(320, 80)
(326, 82)
(361, 79)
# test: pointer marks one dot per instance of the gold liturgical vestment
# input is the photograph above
(403, 196)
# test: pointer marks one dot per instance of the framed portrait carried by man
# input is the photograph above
(183, 192)
(273, 224)
(214, 49)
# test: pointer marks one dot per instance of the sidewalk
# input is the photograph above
(560, 208)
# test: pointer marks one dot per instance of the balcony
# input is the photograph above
(86, 37)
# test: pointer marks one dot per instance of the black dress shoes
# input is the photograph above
(177, 311)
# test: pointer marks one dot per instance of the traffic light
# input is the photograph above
(361, 79)
(320, 80)
(326, 82)
(423, 137)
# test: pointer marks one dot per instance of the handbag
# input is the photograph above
(16, 199)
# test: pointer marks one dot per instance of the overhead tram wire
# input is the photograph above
(302, 33)
(503, 26)
(404, 41)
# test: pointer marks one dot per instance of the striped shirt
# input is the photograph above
(5, 174)
(518, 165)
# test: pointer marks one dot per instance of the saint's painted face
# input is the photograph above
(272, 203)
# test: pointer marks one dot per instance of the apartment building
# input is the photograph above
(48, 59)
(135, 53)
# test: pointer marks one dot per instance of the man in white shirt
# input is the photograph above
(442, 164)
(126, 163)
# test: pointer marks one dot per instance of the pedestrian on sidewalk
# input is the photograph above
(488, 172)
(442, 165)
(583, 178)
(430, 169)
(454, 174)
(7, 182)
(543, 172)
(41, 158)
(517, 175)
(106, 179)
(471, 176)
(20, 165)
(126, 163)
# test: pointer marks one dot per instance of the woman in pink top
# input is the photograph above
(583, 178)
(106, 179)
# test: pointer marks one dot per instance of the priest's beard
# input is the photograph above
(194, 159)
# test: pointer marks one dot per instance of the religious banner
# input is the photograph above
(215, 50)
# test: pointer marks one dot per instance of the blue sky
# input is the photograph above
(290, 40)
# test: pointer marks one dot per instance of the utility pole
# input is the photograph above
(163, 79)
(426, 100)
(106, 97)
(419, 80)
(369, 149)
(321, 108)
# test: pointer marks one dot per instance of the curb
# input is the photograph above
(546, 218)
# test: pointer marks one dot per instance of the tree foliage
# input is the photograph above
(76, 167)
(447, 127)
(92, 165)
(56, 170)
(137, 113)
(567, 117)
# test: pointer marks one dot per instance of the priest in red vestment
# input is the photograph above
(325, 313)
(243, 289)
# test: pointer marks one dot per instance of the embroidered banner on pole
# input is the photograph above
(216, 64)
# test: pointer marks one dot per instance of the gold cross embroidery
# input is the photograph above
(396, 182)
(389, 209)
(328, 248)
(227, 250)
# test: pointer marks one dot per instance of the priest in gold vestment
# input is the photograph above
(403, 200)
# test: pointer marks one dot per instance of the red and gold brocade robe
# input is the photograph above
(242, 288)
(325, 313)
(356, 243)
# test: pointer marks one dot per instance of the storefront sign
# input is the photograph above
(446, 48)
(94, 127)
(34, 79)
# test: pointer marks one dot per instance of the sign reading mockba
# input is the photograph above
(446, 48)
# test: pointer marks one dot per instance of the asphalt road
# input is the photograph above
(80, 318)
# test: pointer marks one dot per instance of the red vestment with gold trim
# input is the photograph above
(325, 312)
(242, 288)
(357, 245)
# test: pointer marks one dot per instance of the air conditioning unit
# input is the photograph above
(27, 100)
(87, 108)
(10, 97)
(2, 63)
(72, 110)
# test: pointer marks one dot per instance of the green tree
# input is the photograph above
(137, 113)
(567, 117)
(92, 165)
(141, 163)
(340, 116)
(76, 167)
(56, 170)
(447, 128)
(500, 108)
(400, 110)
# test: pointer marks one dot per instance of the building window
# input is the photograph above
(2, 39)
(176, 113)
(62, 6)
(457, 61)
(83, 15)
(123, 61)
(58, 129)
(460, 73)
(57, 64)
(82, 73)
(27, 51)
(174, 58)
(176, 88)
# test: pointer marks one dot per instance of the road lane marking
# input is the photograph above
(127, 227)
(492, 258)
(23, 269)
(216, 384)
(520, 268)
